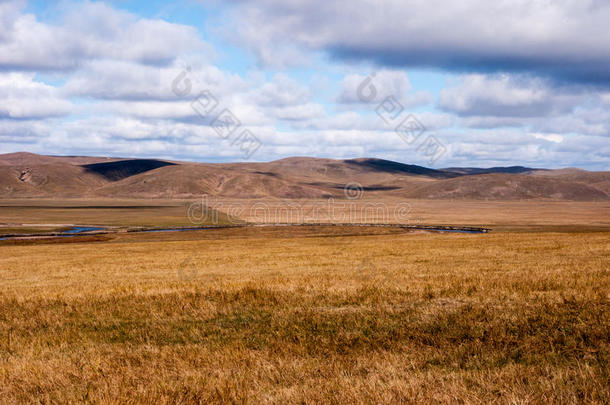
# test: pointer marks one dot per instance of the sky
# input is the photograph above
(438, 83)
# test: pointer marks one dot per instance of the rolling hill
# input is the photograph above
(27, 175)
(498, 186)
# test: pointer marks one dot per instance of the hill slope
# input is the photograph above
(27, 175)
(507, 187)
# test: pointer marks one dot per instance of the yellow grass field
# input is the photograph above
(309, 315)
(501, 215)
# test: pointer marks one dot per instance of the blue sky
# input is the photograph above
(476, 83)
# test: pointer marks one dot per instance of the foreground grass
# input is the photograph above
(297, 317)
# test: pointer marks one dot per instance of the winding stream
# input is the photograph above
(95, 230)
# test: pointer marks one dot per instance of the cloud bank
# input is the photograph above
(504, 82)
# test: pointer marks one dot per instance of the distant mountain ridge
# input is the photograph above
(476, 170)
(28, 175)
(395, 167)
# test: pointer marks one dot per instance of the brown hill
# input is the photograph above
(599, 180)
(27, 158)
(602, 186)
(46, 180)
(507, 187)
(189, 180)
(30, 175)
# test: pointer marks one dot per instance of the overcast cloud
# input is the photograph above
(505, 82)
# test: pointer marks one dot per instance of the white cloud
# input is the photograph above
(23, 97)
(504, 96)
(549, 137)
(9, 11)
(22, 132)
(374, 88)
(90, 31)
(116, 80)
(298, 112)
(281, 91)
(583, 122)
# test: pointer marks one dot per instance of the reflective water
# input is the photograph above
(81, 229)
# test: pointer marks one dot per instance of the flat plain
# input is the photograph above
(308, 314)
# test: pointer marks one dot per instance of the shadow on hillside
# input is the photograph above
(388, 166)
(115, 171)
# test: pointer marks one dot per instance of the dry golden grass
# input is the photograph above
(500, 215)
(117, 213)
(304, 315)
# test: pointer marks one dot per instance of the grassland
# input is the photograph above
(28, 216)
(308, 315)
(529, 215)
(526, 215)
